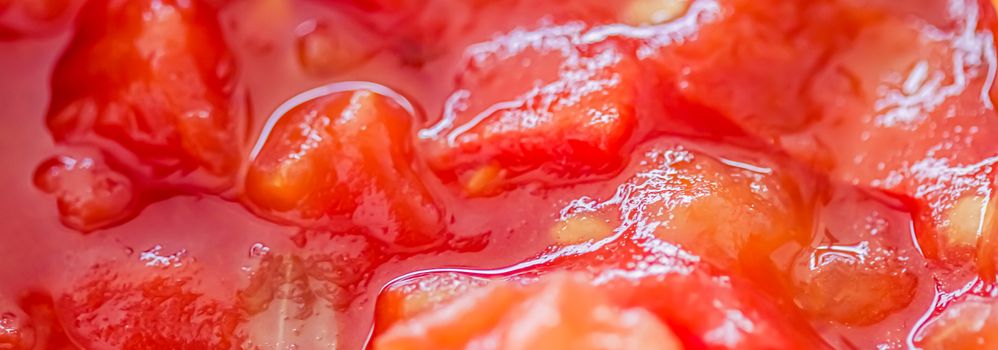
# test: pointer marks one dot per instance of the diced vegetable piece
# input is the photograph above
(537, 100)
(924, 97)
(862, 265)
(323, 50)
(724, 210)
(345, 156)
(405, 300)
(857, 290)
(151, 81)
(967, 324)
(88, 193)
(557, 312)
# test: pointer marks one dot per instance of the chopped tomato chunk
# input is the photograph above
(705, 310)
(345, 156)
(861, 289)
(925, 99)
(152, 83)
(864, 266)
(324, 51)
(542, 174)
(717, 307)
(408, 298)
(88, 193)
(510, 316)
(715, 311)
(538, 100)
(967, 324)
(876, 81)
(729, 64)
(677, 194)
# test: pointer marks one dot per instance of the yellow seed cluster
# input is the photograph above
(971, 217)
(646, 12)
(484, 180)
(581, 229)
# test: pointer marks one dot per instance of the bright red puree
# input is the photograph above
(498, 174)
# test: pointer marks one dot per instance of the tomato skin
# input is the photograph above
(346, 155)
(158, 91)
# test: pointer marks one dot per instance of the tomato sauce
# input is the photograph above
(275, 173)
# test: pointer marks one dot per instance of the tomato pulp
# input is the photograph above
(402, 174)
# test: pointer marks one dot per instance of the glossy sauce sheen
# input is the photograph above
(831, 157)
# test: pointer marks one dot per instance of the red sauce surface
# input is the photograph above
(255, 173)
